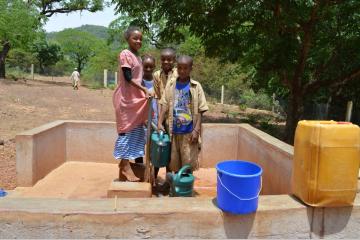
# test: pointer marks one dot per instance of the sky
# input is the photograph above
(58, 22)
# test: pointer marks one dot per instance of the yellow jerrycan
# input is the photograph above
(326, 163)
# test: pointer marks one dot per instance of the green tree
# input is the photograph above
(47, 8)
(20, 20)
(79, 46)
(300, 47)
(18, 27)
(105, 58)
(47, 54)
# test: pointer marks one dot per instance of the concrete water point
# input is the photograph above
(65, 168)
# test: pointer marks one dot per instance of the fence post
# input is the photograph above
(273, 103)
(105, 78)
(348, 111)
(116, 80)
(32, 71)
(222, 94)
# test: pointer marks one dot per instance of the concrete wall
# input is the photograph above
(241, 141)
(42, 149)
(277, 217)
(38, 152)
(89, 141)
(219, 142)
(274, 156)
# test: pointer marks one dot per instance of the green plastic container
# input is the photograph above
(182, 183)
(160, 149)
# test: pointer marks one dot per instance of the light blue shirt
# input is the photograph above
(149, 84)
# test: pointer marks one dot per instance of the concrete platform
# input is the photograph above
(36, 157)
(62, 171)
(129, 189)
(278, 216)
(74, 180)
(91, 180)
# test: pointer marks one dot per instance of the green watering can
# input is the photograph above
(181, 183)
(160, 149)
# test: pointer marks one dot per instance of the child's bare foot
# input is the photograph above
(126, 173)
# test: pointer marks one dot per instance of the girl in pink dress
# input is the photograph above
(130, 103)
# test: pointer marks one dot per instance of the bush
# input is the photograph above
(20, 59)
(62, 68)
(15, 73)
(259, 100)
(212, 74)
(112, 86)
(94, 70)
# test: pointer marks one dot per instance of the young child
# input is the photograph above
(149, 66)
(148, 81)
(184, 103)
(167, 71)
(166, 74)
(130, 103)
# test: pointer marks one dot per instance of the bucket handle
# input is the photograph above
(242, 199)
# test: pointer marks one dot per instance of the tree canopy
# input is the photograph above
(46, 53)
(79, 46)
(47, 8)
(18, 27)
(21, 20)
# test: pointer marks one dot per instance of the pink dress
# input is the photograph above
(129, 102)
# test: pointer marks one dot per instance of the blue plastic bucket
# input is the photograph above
(238, 186)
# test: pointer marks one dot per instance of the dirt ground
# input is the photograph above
(25, 104)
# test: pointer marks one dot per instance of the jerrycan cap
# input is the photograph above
(2, 192)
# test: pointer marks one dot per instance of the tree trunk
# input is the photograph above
(79, 68)
(41, 66)
(2, 69)
(3, 54)
(295, 106)
(294, 112)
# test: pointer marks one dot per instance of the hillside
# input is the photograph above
(99, 31)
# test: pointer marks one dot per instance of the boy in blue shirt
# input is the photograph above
(184, 103)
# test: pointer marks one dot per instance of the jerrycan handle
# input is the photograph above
(161, 135)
